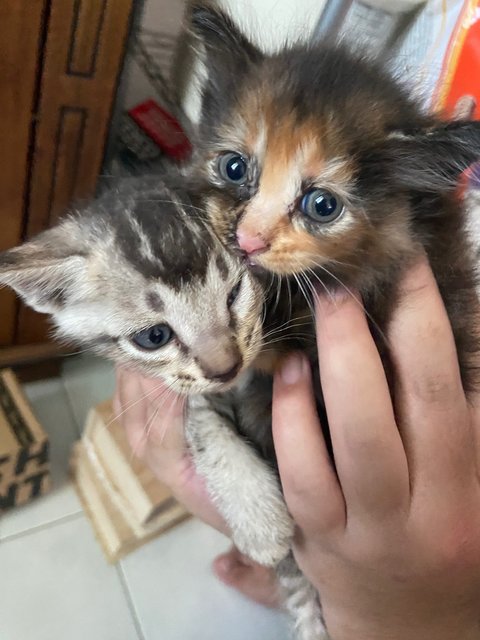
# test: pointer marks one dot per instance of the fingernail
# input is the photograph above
(292, 370)
(337, 293)
(327, 303)
(340, 294)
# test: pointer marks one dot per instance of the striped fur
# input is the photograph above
(142, 255)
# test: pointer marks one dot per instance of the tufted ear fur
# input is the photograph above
(227, 55)
(46, 271)
(432, 160)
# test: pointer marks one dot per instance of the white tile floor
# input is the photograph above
(55, 583)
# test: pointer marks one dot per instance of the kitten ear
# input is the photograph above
(46, 271)
(433, 159)
(219, 34)
(227, 52)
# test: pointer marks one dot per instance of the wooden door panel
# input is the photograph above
(20, 47)
(83, 57)
(77, 90)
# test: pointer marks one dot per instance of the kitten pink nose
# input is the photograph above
(251, 244)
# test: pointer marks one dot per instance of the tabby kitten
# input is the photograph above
(316, 164)
(140, 278)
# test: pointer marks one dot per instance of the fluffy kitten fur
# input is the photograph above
(142, 256)
(139, 256)
(315, 117)
(312, 117)
(305, 117)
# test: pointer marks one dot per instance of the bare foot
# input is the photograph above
(252, 580)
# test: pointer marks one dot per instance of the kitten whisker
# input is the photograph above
(279, 292)
(298, 336)
(145, 435)
(359, 303)
(161, 400)
(264, 312)
(286, 325)
(132, 404)
(304, 293)
(289, 289)
(320, 281)
(76, 353)
(167, 414)
(286, 330)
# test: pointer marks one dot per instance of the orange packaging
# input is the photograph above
(460, 75)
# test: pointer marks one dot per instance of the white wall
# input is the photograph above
(273, 22)
(270, 23)
(158, 15)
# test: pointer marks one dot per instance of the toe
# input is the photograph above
(249, 578)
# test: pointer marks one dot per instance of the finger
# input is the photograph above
(150, 412)
(117, 400)
(166, 413)
(309, 482)
(368, 450)
(127, 410)
(166, 423)
(430, 400)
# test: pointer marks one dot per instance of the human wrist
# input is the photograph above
(343, 628)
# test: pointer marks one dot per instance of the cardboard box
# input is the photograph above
(24, 447)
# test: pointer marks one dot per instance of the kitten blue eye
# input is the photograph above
(232, 167)
(153, 338)
(321, 205)
(233, 295)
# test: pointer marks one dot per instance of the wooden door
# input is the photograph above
(83, 56)
(21, 29)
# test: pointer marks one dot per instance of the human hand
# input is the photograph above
(152, 416)
(391, 539)
(153, 420)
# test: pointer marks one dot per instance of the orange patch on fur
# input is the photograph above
(291, 156)
(295, 250)
(282, 163)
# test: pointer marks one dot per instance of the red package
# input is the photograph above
(162, 128)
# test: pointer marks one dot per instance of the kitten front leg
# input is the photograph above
(243, 487)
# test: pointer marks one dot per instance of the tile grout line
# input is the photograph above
(78, 428)
(131, 605)
(41, 527)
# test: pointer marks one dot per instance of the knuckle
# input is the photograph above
(417, 280)
(373, 552)
(438, 388)
(324, 518)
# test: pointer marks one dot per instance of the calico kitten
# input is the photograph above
(317, 164)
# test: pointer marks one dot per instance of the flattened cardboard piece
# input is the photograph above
(24, 447)
(144, 492)
(114, 529)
